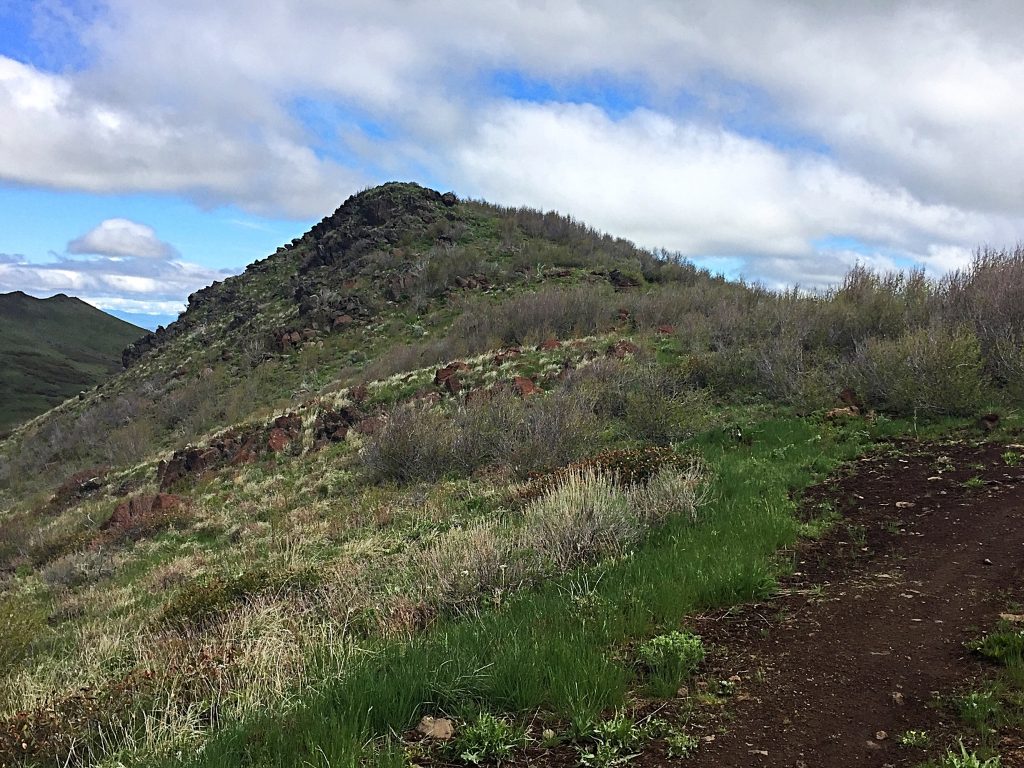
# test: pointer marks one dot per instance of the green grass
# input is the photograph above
(551, 650)
(52, 349)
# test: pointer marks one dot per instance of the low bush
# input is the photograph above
(209, 596)
(78, 568)
(670, 659)
(425, 443)
(931, 371)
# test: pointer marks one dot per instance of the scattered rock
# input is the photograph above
(905, 505)
(277, 440)
(359, 393)
(881, 736)
(849, 398)
(622, 280)
(449, 199)
(502, 357)
(443, 374)
(548, 344)
(439, 728)
(332, 426)
(452, 384)
(621, 349)
(342, 320)
(524, 386)
(136, 516)
(988, 422)
(666, 329)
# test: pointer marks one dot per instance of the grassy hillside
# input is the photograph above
(442, 457)
(51, 349)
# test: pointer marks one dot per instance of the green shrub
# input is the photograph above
(931, 371)
(670, 659)
(526, 435)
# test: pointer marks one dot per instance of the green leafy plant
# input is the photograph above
(1012, 458)
(670, 659)
(978, 709)
(914, 739)
(488, 739)
(681, 744)
(961, 758)
(1004, 646)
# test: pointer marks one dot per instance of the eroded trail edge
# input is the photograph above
(870, 631)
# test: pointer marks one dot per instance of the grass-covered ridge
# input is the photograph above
(52, 349)
(441, 457)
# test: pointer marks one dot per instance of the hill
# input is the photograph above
(441, 458)
(52, 349)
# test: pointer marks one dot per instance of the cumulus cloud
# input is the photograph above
(126, 267)
(122, 238)
(707, 191)
(765, 127)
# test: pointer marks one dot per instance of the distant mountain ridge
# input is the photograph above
(51, 349)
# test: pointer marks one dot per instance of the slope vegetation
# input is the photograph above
(51, 349)
(441, 458)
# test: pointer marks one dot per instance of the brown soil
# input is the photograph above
(869, 634)
(867, 638)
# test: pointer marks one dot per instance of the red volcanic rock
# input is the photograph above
(342, 320)
(510, 353)
(666, 329)
(622, 349)
(370, 426)
(452, 384)
(849, 398)
(140, 510)
(290, 423)
(443, 374)
(623, 314)
(524, 386)
(277, 440)
(358, 393)
(548, 344)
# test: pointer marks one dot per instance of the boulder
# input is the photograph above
(141, 513)
(622, 349)
(277, 440)
(437, 728)
(524, 386)
(443, 374)
(452, 385)
(622, 280)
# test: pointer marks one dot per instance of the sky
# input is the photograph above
(148, 148)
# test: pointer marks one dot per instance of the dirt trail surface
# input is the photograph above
(871, 628)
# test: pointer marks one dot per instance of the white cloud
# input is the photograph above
(706, 191)
(127, 267)
(916, 104)
(122, 237)
(54, 134)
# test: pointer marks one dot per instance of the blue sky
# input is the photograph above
(148, 149)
